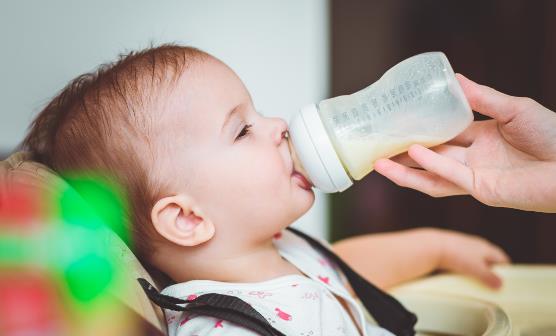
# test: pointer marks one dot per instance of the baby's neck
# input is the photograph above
(254, 265)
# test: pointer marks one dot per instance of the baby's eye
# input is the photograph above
(244, 131)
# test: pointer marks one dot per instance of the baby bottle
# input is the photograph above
(418, 101)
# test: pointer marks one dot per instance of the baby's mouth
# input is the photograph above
(297, 169)
(303, 182)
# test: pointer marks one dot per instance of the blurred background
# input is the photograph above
(509, 45)
(293, 52)
(280, 49)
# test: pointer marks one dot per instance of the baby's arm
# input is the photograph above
(388, 259)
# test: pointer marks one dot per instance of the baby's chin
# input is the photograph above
(302, 190)
(302, 201)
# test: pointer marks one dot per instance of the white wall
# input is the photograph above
(279, 49)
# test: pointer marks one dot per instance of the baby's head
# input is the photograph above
(205, 174)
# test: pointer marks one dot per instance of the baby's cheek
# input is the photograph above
(275, 173)
(265, 182)
(258, 174)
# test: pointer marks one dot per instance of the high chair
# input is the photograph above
(18, 172)
(445, 304)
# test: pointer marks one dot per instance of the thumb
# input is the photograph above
(488, 101)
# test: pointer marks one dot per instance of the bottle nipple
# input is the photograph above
(297, 166)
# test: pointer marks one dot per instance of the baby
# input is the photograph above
(211, 188)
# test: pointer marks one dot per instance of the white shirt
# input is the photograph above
(293, 304)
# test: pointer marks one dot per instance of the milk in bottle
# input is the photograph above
(418, 101)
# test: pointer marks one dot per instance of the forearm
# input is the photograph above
(388, 259)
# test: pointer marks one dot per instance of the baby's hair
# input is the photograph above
(103, 122)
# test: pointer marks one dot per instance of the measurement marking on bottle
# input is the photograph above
(379, 105)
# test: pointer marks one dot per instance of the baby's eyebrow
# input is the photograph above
(229, 116)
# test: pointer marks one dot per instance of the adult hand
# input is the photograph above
(508, 161)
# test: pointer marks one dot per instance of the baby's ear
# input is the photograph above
(178, 219)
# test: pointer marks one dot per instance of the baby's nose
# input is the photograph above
(281, 130)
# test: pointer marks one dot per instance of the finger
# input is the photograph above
(482, 271)
(423, 181)
(487, 276)
(446, 167)
(498, 256)
(488, 101)
(449, 150)
(405, 160)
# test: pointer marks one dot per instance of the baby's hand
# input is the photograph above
(470, 255)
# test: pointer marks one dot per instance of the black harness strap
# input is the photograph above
(385, 309)
(388, 312)
(225, 307)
